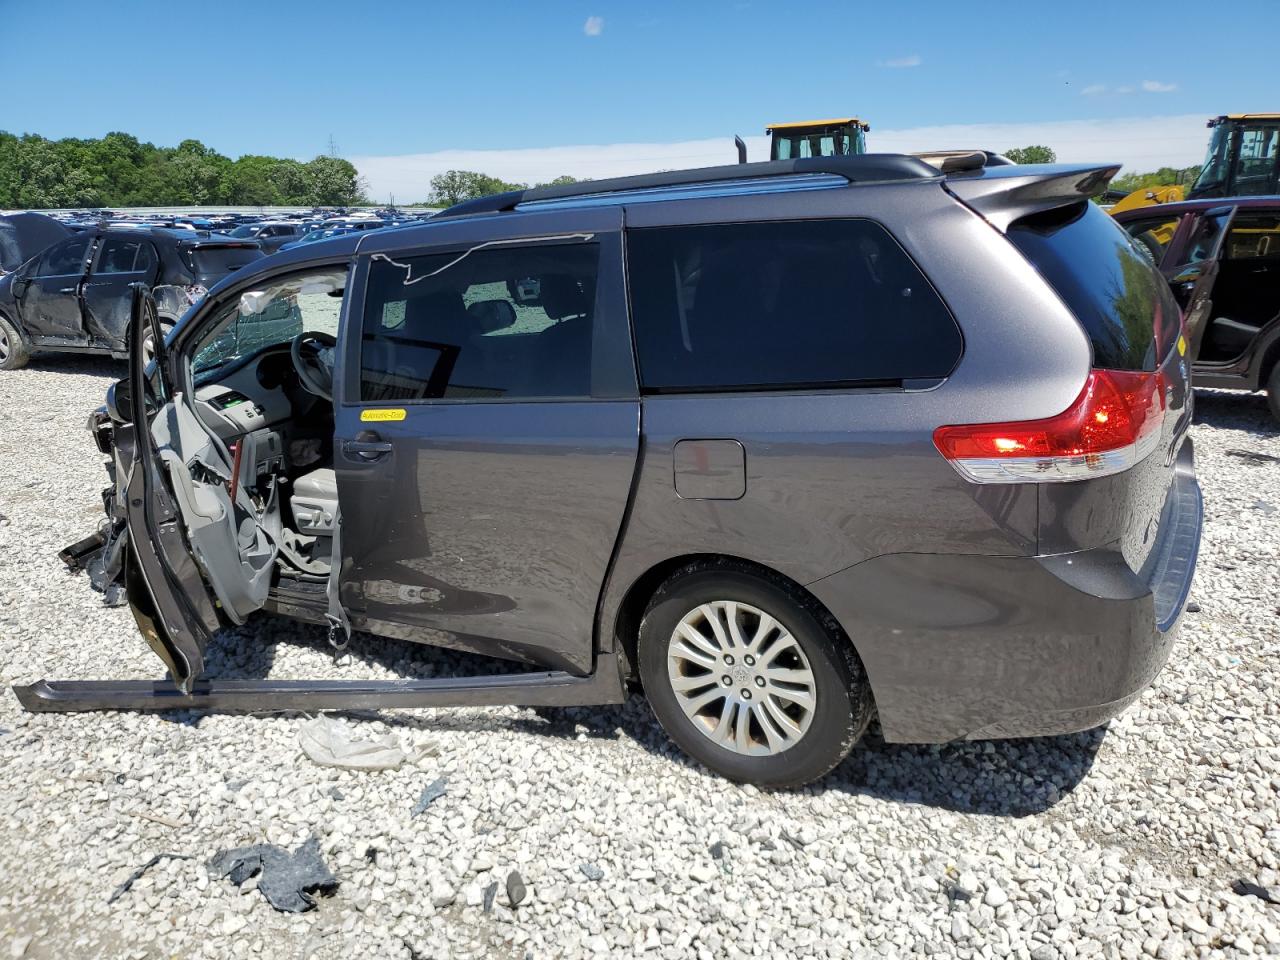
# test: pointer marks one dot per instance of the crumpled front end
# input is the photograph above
(102, 554)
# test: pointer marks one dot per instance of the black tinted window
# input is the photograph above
(506, 322)
(124, 255)
(64, 259)
(213, 262)
(1113, 290)
(784, 304)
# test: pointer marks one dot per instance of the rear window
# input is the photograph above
(791, 304)
(1111, 287)
(208, 261)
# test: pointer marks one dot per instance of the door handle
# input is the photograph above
(367, 448)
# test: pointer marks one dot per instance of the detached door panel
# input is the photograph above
(485, 466)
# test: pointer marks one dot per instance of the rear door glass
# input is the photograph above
(209, 261)
(1113, 290)
(783, 305)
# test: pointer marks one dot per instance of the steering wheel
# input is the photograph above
(307, 352)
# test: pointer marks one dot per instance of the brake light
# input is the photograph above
(1113, 424)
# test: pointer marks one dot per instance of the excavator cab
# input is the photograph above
(1243, 158)
(840, 137)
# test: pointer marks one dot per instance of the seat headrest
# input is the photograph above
(435, 315)
(562, 296)
(488, 316)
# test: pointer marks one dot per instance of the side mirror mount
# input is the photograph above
(120, 402)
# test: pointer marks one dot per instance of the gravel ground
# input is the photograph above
(1112, 843)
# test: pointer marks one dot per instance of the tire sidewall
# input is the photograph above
(19, 352)
(837, 721)
(1273, 390)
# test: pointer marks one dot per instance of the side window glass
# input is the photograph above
(64, 259)
(1152, 237)
(1205, 238)
(499, 323)
(1253, 236)
(123, 255)
(783, 305)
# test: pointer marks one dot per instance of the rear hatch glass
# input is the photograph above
(217, 260)
(1124, 304)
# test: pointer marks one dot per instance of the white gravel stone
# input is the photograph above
(1114, 844)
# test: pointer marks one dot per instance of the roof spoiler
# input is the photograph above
(1003, 194)
(953, 161)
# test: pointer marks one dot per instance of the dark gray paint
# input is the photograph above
(710, 469)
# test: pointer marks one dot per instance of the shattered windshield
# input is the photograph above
(271, 315)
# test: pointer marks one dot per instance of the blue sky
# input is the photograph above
(399, 78)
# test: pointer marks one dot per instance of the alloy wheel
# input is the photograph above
(742, 679)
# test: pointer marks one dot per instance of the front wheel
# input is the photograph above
(751, 677)
(13, 348)
(1273, 391)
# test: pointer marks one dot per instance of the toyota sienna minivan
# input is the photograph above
(785, 444)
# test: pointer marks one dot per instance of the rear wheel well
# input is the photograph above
(631, 611)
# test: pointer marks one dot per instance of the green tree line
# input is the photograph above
(118, 170)
(454, 186)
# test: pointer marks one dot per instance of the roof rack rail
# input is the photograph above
(860, 168)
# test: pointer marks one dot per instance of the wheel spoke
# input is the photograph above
(736, 639)
(765, 627)
(784, 642)
(698, 639)
(780, 717)
(788, 675)
(689, 684)
(776, 740)
(802, 697)
(712, 616)
(693, 704)
(721, 732)
(742, 729)
(686, 651)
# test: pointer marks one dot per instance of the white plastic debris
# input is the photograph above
(330, 743)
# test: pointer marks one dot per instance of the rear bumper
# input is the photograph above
(976, 647)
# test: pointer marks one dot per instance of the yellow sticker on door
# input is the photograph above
(381, 416)
(1182, 345)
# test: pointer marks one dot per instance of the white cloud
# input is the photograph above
(909, 61)
(1124, 89)
(1141, 143)
(1093, 90)
(594, 26)
(1155, 86)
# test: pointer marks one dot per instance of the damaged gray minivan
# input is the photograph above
(785, 443)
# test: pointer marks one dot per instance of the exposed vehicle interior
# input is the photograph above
(1246, 294)
(261, 376)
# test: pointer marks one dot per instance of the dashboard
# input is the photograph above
(251, 407)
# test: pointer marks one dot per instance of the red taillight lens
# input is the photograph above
(1114, 423)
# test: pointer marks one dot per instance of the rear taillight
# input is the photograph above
(1113, 424)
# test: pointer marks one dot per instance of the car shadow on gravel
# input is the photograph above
(1007, 778)
(80, 364)
(1235, 410)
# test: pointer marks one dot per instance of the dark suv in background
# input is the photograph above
(888, 439)
(74, 297)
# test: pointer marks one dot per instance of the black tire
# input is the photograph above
(1273, 390)
(842, 697)
(14, 352)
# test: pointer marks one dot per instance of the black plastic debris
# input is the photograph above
(1193, 607)
(288, 879)
(121, 890)
(1254, 456)
(432, 792)
(957, 893)
(591, 871)
(1246, 888)
(490, 894)
(516, 891)
(717, 850)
